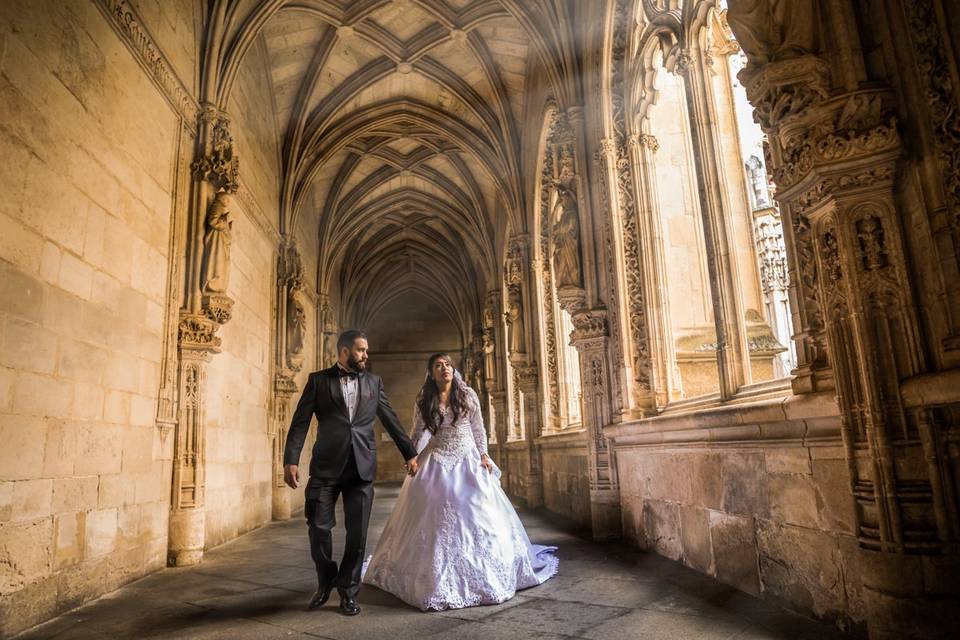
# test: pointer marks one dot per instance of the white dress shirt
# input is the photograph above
(349, 386)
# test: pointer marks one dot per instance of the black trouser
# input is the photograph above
(320, 507)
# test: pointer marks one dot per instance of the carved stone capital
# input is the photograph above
(526, 377)
(289, 265)
(571, 299)
(216, 162)
(198, 333)
(779, 90)
(589, 324)
(218, 308)
(857, 132)
(845, 183)
(284, 385)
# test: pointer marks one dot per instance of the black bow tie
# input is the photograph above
(347, 374)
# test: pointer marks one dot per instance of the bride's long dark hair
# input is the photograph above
(428, 400)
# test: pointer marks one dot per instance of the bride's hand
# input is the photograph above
(486, 463)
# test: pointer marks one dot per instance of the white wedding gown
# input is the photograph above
(453, 539)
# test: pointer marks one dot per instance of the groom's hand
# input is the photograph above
(291, 475)
(412, 466)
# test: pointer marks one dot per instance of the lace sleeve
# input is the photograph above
(476, 422)
(418, 428)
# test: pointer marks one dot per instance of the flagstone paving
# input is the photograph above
(257, 586)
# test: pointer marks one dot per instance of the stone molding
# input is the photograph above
(809, 419)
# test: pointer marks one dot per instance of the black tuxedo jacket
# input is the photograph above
(336, 433)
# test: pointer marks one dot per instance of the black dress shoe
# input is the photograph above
(320, 597)
(349, 607)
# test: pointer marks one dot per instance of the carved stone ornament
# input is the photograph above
(218, 165)
(846, 182)
(861, 130)
(218, 308)
(780, 90)
(589, 324)
(571, 299)
(526, 376)
(566, 227)
(198, 333)
(290, 267)
(284, 385)
(772, 30)
(218, 230)
(514, 318)
(941, 93)
(296, 329)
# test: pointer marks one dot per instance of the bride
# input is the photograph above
(453, 539)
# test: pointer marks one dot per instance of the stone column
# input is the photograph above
(521, 316)
(289, 329)
(498, 401)
(590, 337)
(834, 157)
(206, 306)
(527, 381)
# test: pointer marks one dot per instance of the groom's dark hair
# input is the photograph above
(347, 338)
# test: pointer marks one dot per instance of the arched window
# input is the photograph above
(769, 244)
(723, 280)
(687, 277)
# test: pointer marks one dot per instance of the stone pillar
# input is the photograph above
(206, 306)
(498, 401)
(290, 330)
(834, 157)
(590, 337)
(527, 381)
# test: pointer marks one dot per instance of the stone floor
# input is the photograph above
(257, 587)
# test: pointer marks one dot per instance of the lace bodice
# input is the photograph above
(452, 442)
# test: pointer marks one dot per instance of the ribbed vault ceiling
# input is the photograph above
(400, 134)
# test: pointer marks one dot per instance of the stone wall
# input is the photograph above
(756, 496)
(566, 490)
(87, 145)
(515, 462)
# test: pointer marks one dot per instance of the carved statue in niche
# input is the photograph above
(215, 270)
(566, 228)
(757, 179)
(772, 30)
(489, 357)
(488, 316)
(296, 329)
(870, 238)
(514, 316)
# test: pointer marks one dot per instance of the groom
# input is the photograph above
(345, 399)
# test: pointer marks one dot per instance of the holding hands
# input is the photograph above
(486, 463)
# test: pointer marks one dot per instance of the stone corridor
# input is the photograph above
(257, 586)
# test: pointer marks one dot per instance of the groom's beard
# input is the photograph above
(355, 364)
